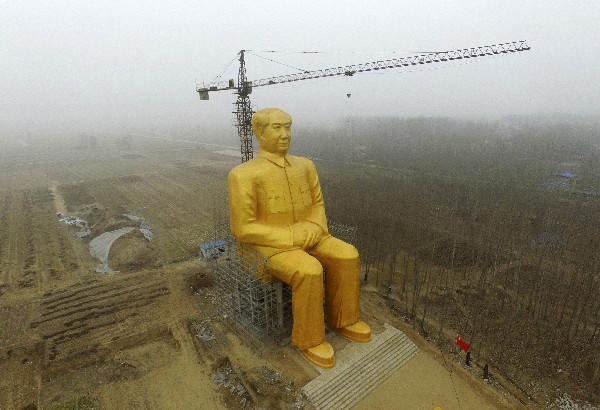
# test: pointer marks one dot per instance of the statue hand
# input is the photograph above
(307, 234)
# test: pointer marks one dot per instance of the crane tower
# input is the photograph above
(244, 87)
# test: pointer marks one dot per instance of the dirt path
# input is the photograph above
(180, 383)
(171, 373)
(59, 203)
(430, 379)
(425, 383)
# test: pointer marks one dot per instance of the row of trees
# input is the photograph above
(459, 231)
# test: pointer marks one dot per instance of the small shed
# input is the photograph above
(212, 250)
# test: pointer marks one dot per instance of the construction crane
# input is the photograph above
(243, 89)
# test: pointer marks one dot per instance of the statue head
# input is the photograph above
(273, 130)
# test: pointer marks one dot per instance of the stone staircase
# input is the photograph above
(359, 369)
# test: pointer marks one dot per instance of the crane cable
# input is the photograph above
(349, 110)
(322, 52)
(225, 69)
(277, 62)
(345, 52)
(415, 69)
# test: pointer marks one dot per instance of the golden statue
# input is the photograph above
(276, 207)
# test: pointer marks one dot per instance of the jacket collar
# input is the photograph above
(275, 159)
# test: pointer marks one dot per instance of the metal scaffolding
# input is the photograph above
(246, 292)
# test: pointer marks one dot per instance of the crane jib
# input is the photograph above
(399, 62)
(350, 70)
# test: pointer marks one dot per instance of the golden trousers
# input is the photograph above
(303, 271)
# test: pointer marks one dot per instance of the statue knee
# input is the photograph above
(347, 252)
(309, 270)
(314, 268)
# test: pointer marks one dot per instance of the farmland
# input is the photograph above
(174, 190)
(458, 234)
(59, 315)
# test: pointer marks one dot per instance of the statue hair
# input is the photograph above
(261, 118)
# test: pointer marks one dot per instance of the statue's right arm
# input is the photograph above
(243, 215)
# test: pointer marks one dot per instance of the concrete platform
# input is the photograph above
(360, 368)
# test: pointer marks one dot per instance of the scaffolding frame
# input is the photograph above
(248, 295)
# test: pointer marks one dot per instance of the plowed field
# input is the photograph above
(58, 314)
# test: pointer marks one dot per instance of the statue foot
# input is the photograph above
(358, 332)
(321, 355)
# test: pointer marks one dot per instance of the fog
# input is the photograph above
(71, 67)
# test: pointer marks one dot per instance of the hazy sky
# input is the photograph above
(81, 66)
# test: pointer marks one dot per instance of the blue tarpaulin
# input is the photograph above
(211, 250)
(565, 174)
(210, 245)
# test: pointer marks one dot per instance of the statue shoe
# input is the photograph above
(321, 355)
(358, 332)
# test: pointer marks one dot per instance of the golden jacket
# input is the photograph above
(268, 194)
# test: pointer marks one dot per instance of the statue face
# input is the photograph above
(275, 137)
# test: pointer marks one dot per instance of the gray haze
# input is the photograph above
(110, 66)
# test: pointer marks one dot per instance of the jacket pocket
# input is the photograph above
(276, 202)
(305, 194)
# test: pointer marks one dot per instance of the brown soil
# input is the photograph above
(133, 252)
(129, 341)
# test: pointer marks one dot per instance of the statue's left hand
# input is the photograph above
(307, 234)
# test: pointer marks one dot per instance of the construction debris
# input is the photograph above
(145, 228)
(227, 378)
(203, 331)
(71, 220)
(212, 250)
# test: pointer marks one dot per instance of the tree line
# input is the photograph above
(465, 228)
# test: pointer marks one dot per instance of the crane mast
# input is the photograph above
(243, 111)
(244, 87)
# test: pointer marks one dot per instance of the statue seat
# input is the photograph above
(250, 296)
